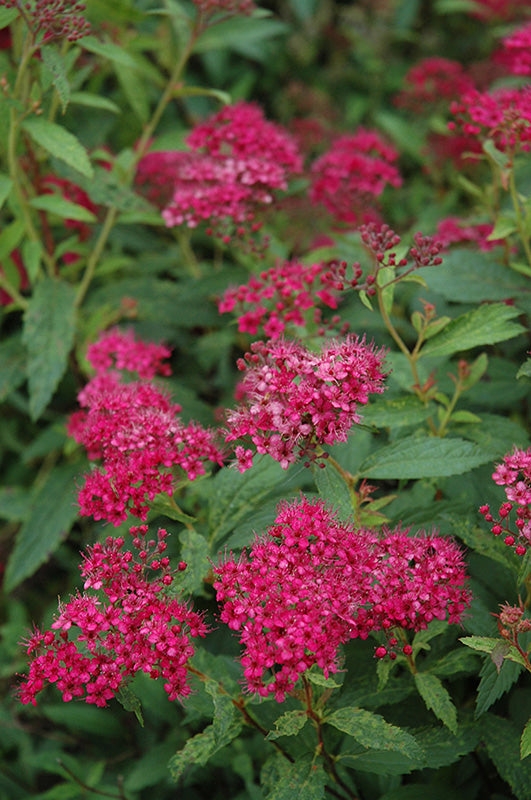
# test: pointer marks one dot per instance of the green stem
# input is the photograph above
(140, 151)
(449, 409)
(519, 220)
(14, 293)
(317, 722)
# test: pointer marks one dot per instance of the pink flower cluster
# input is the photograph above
(312, 583)
(281, 296)
(515, 53)
(228, 8)
(355, 170)
(453, 230)
(433, 80)
(515, 474)
(135, 430)
(238, 161)
(294, 399)
(125, 624)
(503, 115)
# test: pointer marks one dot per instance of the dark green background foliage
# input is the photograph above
(451, 731)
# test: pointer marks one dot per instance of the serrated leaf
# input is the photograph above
(10, 237)
(234, 494)
(128, 699)
(443, 747)
(423, 457)
(371, 730)
(49, 327)
(51, 514)
(525, 370)
(468, 276)
(302, 780)
(437, 699)
(380, 762)
(31, 258)
(54, 204)
(334, 490)
(195, 552)
(201, 747)
(12, 365)
(59, 143)
(395, 412)
(494, 684)
(502, 741)
(525, 741)
(55, 63)
(289, 724)
(487, 324)
(485, 644)
(224, 712)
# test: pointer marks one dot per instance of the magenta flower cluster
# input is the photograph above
(237, 163)
(283, 296)
(53, 19)
(352, 173)
(502, 115)
(136, 431)
(515, 474)
(126, 623)
(312, 583)
(293, 399)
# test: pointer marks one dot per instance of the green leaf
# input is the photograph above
(234, 494)
(364, 297)
(55, 63)
(334, 490)
(494, 684)
(423, 457)
(395, 412)
(497, 156)
(476, 370)
(525, 741)
(12, 365)
(128, 699)
(51, 514)
(49, 327)
(108, 50)
(14, 503)
(487, 324)
(247, 36)
(200, 91)
(502, 741)
(195, 552)
(303, 780)
(134, 89)
(503, 228)
(443, 747)
(7, 16)
(201, 747)
(55, 204)
(226, 722)
(525, 370)
(465, 416)
(90, 100)
(59, 143)
(437, 699)
(485, 644)
(31, 258)
(380, 762)
(10, 237)
(6, 184)
(371, 730)
(289, 724)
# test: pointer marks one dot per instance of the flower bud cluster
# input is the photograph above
(293, 399)
(125, 623)
(283, 295)
(54, 19)
(312, 583)
(515, 474)
(135, 430)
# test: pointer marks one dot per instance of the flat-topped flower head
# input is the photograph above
(237, 163)
(502, 115)
(433, 81)
(515, 51)
(294, 399)
(123, 623)
(352, 174)
(135, 430)
(288, 296)
(312, 582)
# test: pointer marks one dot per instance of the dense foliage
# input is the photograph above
(265, 290)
